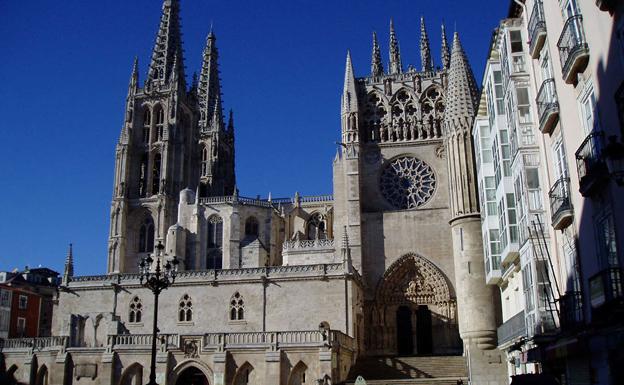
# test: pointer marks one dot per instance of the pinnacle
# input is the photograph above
(168, 45)
(376, 63)
(462, 89)
(446, 56)
(395, 54)
(349, 101)
(425, 51)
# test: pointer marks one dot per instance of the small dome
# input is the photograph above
(187, 196)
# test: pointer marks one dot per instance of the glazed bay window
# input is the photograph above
(517, 51)
(490, 196)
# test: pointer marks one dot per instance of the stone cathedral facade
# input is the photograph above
(302, 290)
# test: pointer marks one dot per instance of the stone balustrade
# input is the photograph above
(276, 340)
(143, 340)
(38, 343)
(308, 244)
(258, 202)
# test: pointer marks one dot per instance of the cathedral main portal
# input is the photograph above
(414, 312)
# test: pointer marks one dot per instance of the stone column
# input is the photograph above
(219, 363)
(273, 366)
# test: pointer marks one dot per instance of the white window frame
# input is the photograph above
(21, 326)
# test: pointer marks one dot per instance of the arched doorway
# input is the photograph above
(192, 376)
(42, 376)
(405, 339)
(414, 311)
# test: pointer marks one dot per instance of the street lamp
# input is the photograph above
(157, 279)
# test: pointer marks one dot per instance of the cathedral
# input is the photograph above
(386, 272)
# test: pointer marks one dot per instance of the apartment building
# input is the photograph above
(551, 168)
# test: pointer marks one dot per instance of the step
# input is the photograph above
(416, 381)
(423, 368)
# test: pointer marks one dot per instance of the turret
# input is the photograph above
(425, 51)
(476, 312)
(395, 53)
(376, 63)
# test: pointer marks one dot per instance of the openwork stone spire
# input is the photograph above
(425, 51)
(461, 92)
(209, 88)
(376, 63)
(68, 273)
(446, 55)
(395, 53)
(134, 77)
(168, 46)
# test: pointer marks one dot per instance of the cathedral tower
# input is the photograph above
(172, 138)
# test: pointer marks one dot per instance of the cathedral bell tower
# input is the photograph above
(172, 138)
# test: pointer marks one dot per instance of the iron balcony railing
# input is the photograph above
(571, 310)
(560, 203)
(573, 48)
(607, 5)
(513, 328)
(606, 287)
(547, 106)
(537, 29)
(590, 164)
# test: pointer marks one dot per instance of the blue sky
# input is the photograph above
(63, 79)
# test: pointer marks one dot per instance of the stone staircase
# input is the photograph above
(419, 370)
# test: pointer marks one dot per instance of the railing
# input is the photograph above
(134, 340)
(513, 328)
(606, 286)
(573, 48)
(305, 338)
(589, 162)
(266, 202)
(571, 310)
(547, 106)
(37, 343)
(311, 244)
(537, 28)
(560, 203)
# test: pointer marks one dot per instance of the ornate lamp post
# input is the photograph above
(157, 279)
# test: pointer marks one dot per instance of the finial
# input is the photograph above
(376, 63)
(425, 51)
(395, 54)
(68, 272)
(446, 55)
(231, 122)
(345, 238)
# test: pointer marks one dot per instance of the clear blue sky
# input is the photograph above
(63, 80)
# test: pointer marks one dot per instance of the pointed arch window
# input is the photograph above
(204, 164)
(156, 174)
(251, 227)
(147, 122)
(214, 255)
(317, 227)
(185, 309)
(143, 172)
(146, 236)
(237, 307)
(136, 310)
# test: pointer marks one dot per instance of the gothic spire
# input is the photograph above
(230, 125)
(349, 94)
(217, 115)
(68, 273)
(168, 45)
(425, 51)
(209, 89)
(395, 54)
(461, 93)
(446, 55)
(134, 77)
(376, 63)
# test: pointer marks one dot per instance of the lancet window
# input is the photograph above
(214, 255)
(185, 309)
(251, 227)
(205, 160)
(147, 121)
(160, 122)
(143, 176)
(136, 310)
(156, 174)
(237, 307)
(374, 115)
(146, 235)
(432, 104)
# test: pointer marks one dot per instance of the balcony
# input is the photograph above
(493, 272)
(512, 329)
(560, 204)
(591, 167)
(537, 30)
(547, 106)
(571, 310)
(606, 288)
(573, 49)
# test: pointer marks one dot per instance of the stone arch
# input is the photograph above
(190, 364)
(132, 375)
(42, 375)
(244, 374)
(432, 110)
(414, 302)
(298, 374)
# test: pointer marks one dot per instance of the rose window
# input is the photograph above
(407, 182)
